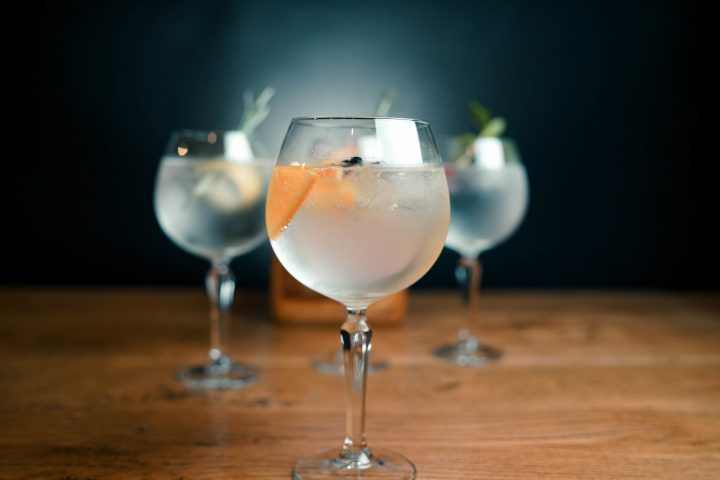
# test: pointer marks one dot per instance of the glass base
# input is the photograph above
(207, 377)
(333, 364)
(381, 464)
(468, 353)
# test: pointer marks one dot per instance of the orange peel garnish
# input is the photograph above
(289, 187)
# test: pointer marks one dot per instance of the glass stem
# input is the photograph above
(220, 286)
(468, 273)
(355, 338)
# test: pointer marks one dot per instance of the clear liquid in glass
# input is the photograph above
(487, 205)
(214, 208)
(364, 232)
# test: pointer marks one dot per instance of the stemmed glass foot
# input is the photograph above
(220, 373)
(468, 353)
(333, 364)
(210, 377)
(380, 464)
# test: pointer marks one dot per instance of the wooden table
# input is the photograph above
(592, 386)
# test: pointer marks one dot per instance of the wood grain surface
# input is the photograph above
(593, 385)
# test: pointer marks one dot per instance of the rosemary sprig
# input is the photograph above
(484, 122)
(255, 110)
(485, 126)
(383, 107)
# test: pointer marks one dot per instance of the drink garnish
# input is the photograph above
(292, 185)
(352, 161)
(295, 184)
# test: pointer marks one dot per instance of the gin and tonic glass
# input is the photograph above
(210, 201)
(357, 209)
(488, 196)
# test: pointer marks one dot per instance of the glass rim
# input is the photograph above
(356, 117)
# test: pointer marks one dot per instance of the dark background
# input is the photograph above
(601, 97)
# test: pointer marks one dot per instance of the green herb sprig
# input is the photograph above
(385, 103)
(255, 110)
(485, 126)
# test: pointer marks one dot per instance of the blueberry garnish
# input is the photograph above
(352, 161)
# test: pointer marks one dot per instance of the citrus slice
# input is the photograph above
(290, 186)
(288, 189)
